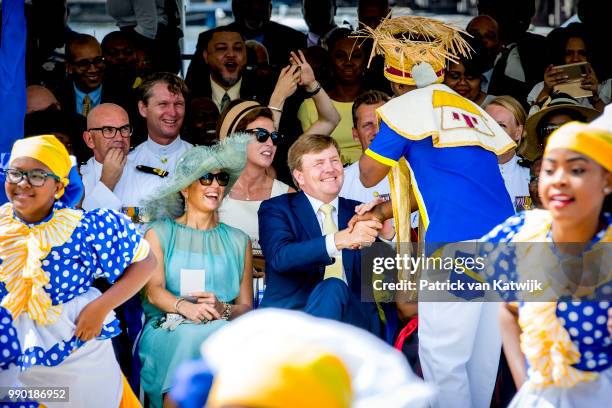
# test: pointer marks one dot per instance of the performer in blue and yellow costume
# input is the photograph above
(565, 354)
(50, 254)
(440, 151)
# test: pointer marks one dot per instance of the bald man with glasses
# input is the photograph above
(106, 175)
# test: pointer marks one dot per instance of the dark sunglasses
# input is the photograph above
(262, 135)
(548, 129)
(223, 179)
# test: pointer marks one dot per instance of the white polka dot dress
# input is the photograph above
(585, 322)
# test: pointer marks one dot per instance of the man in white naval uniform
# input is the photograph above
(162, 104)
(105, 175)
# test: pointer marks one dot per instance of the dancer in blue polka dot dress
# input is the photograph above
(563, 357)
(49, 256)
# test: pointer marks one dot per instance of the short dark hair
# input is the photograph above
(175, 85)
(371, 97)
(474, 63)
(208, 35)
(117, 35)
(78, 40)
(383, 5)
(337, 34)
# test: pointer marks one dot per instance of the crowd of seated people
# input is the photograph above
(307, 104)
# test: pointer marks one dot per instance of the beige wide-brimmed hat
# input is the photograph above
(530, 147)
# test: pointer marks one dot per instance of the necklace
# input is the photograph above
(238, 183)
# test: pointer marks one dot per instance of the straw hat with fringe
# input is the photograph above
(228, 155)
(409, 41)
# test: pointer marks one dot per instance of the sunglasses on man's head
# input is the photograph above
(222, 178)
(262, 135)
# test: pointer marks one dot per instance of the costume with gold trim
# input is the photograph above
(450, 146)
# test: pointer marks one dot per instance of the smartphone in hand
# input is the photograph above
(575, 73)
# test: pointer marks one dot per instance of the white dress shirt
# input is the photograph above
(218, 92)
(353, 189)
(330, 243)
(516, 179)
(151, 154)
(97, 194)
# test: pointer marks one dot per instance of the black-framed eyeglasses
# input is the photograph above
(262, 135)
(85, 63)
(36, 177)
(223, 179)
(109, 132)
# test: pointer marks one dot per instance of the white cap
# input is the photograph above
(380, 375)
(603, 121)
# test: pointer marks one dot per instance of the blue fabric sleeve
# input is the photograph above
(500, 255)
(388, 144)
(113, 241)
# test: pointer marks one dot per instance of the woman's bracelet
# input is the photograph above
(275, 109)
(178, 301)
(227, 311)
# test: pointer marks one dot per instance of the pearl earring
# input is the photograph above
(607, 190)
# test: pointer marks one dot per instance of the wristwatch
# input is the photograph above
(313, 93)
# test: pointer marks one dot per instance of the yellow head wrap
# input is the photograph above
(300, 379)
(579, 137)
(47, 150)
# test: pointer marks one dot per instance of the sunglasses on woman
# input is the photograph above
(262, 135)
(222, 178)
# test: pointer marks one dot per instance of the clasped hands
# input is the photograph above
(365, 226)
(206, 307)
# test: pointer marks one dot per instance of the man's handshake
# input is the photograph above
(367, 224)
(362, 234)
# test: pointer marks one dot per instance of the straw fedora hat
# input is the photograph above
(530, 148)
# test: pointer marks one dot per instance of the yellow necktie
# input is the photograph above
(329, 227)
(86, 105)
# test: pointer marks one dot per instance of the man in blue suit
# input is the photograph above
(310, 263)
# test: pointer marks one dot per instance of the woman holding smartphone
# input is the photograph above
(573, 49)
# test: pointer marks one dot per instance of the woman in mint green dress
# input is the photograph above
(205, 278)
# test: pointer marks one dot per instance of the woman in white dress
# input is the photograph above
(255, 184)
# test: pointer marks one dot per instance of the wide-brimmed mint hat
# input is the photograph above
(228, 155)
